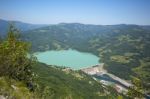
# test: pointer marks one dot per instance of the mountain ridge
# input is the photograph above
(4, 25)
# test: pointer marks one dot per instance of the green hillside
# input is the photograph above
(59, 83)
(53, 83)
(22, 77)
(123, 48)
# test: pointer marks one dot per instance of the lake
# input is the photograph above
(69, 58)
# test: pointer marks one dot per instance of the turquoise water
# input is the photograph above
(69, 58)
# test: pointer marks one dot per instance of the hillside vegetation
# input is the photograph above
(123, 48)
(58, 83)
(22, 77)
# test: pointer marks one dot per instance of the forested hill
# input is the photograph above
(76, 34)
(4, 24)
(123, 48)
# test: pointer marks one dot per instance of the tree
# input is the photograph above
(136, 91)
(15, 61)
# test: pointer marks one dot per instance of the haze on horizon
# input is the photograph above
(104, 12)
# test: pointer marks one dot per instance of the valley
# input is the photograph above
(124, 49)
(74, 49)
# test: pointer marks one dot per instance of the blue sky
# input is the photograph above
(103, 12)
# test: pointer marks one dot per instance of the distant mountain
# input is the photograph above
(4, 24)
(76, 34)
(147, 27)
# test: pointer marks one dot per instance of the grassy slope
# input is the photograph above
(13, 89)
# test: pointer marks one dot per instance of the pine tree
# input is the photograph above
(15, 61)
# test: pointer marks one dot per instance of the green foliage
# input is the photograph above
(13, 89)
(119, 97)
(143, 70)
(14, 61)
(136, 91)
(57, 83)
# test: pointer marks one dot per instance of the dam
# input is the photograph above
(99, 73)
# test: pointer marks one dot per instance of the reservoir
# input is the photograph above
(68, 58)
